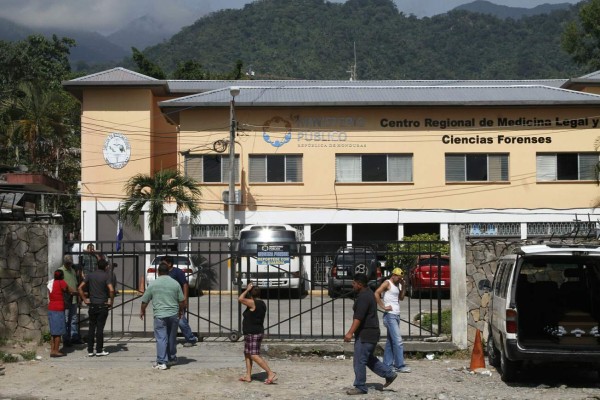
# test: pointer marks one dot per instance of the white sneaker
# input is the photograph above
(91, 354)
(159, 366)
(103, 353)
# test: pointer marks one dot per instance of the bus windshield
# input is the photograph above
(250, 239)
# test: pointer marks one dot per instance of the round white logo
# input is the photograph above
(116, 150)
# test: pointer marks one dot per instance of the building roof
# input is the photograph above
(190, 86)
(215, 93)
(116, 77)
(582, 82)
(387, 96)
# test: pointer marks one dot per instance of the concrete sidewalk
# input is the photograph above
(216, 354)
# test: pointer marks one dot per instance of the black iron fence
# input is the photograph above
(313, 302)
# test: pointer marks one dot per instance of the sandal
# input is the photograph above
(243, 379)
(272, 380)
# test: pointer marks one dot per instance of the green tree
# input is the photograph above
(146, 66)
(581, 38)
(190, 70)
(404, 254)
(164, 187)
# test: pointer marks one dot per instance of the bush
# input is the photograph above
(404, 254)
(29, 355)
(428, 320)
(7, 358)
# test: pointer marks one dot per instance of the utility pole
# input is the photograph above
(234, 91)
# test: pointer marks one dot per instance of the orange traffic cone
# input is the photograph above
(477, 359)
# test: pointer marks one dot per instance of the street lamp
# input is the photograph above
(234, 91)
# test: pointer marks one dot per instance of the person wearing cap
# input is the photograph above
(388, 296)
(365, 328)
(71, 335)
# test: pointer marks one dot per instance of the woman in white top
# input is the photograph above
(388, 296)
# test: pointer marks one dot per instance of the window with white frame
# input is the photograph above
(566, 167)
(275, 168)
(210, 168)
(476, 167)
(373, 168)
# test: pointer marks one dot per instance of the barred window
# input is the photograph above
(566, 167)
(476, 167)
(210, 168)
(275, 168)
(373, 168)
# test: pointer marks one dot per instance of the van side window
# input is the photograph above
(498, 278)
(505, 279)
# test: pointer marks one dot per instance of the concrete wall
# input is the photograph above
(28, 254)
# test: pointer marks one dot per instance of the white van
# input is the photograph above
(544, 307)
(271, 256)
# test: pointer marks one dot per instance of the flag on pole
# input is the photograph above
(119, 234)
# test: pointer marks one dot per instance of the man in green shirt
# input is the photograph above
(71, 337)
(167, 306)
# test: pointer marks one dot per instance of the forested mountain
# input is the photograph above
(487, 7)
(313, 39)
(91, 47)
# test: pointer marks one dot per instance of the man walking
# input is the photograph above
(179, 276)
(71, 337)
(167, 306)
(388, 296)
(365, 328)
(101, 294)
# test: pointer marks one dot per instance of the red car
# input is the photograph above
(431, 273)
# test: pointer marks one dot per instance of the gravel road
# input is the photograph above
(211, 371)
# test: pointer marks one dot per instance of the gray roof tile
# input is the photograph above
(387, 95)
(116, 75)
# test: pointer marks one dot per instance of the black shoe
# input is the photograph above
(78, 341)
(355, 391)
(67, 344)
(388, 381)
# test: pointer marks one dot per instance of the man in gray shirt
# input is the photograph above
(99, 298)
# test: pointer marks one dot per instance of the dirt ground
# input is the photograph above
(211, 370)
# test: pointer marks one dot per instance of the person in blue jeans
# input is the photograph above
(388, 296)
(71, 336)
(365, 329)
(184, 325)
(167, 307)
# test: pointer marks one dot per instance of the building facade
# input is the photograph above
(348, 160)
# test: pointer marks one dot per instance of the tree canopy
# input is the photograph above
(154, 192)
(581, 38)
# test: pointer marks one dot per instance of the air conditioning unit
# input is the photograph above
(238, 197)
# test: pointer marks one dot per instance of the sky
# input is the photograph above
(107, 16)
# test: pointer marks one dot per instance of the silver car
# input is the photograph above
(184, 263)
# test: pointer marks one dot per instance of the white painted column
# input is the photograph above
(458, 286)
(400, 231)
(523, 230)
(89, 210)
(308, 259)
(349, 233)
(444, 231)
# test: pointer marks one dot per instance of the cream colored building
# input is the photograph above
(349, 160)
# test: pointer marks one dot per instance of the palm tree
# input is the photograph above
(165, 186)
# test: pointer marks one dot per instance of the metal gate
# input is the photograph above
(318, 313)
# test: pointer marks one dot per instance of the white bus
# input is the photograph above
(271, 257)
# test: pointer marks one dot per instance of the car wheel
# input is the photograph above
(492, 352)
(331, 292)
(508, 368)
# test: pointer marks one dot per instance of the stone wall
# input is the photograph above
(28, 254)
